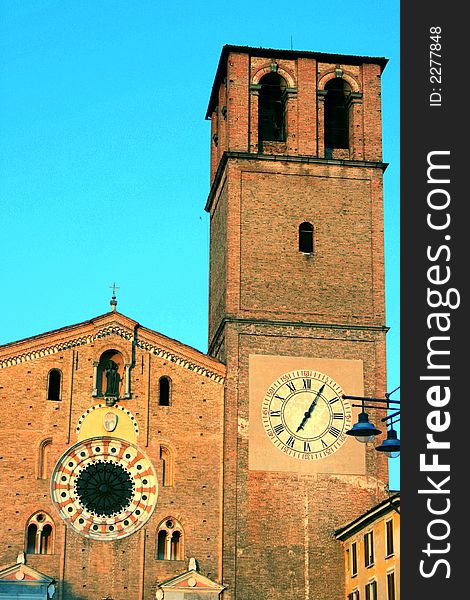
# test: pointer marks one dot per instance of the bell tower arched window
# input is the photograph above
(337, 113)
(272, 108)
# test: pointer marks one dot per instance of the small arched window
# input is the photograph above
(164, 391)
(54, 384)
(39, 534)
(170, 540)
(166, 466)
(337, 113)
(43, 458)
(306, 238)
(272, 108)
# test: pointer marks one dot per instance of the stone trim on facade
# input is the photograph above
(150, 346)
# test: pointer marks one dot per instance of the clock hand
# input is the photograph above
(308, 414)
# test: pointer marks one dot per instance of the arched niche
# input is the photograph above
(111, 372)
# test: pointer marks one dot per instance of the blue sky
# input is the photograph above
(104, 152)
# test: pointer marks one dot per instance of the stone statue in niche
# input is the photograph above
(112, 380)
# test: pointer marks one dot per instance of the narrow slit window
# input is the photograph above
(164, 391)
(306, 238)
(53, 384)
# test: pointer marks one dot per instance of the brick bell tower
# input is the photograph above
(296, 310)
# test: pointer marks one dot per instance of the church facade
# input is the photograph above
(135, 467)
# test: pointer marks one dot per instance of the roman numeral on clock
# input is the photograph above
(278, 429)
(275, 413)
(291, 386)
(306, 447)
(291, 441)
(333, 400)
(307, 384)
(338, 415)
(334, 431)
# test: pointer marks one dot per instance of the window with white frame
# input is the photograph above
(391, 586)
(371, 590)
(354, 558)
(369, 548)
(389, 537)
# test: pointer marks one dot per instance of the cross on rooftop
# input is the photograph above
(113, 300)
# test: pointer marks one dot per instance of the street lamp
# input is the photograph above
(391, 446)
(364, 431)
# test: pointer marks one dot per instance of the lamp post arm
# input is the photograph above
(391, 416)
(365, 399)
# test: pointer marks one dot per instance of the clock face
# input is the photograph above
(305, 416)
(104, 488)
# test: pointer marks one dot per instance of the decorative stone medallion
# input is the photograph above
(104, 488)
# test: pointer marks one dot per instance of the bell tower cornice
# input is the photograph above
(250, 156)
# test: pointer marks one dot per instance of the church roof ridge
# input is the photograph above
(65, 328)
(112, 322)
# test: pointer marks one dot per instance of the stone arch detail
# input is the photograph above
(256, 78)
(326, 77)
(115, 344)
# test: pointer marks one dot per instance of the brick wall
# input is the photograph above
(279, 526)
(191, 427)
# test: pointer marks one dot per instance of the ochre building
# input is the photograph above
(371, 546)
(134, 467)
